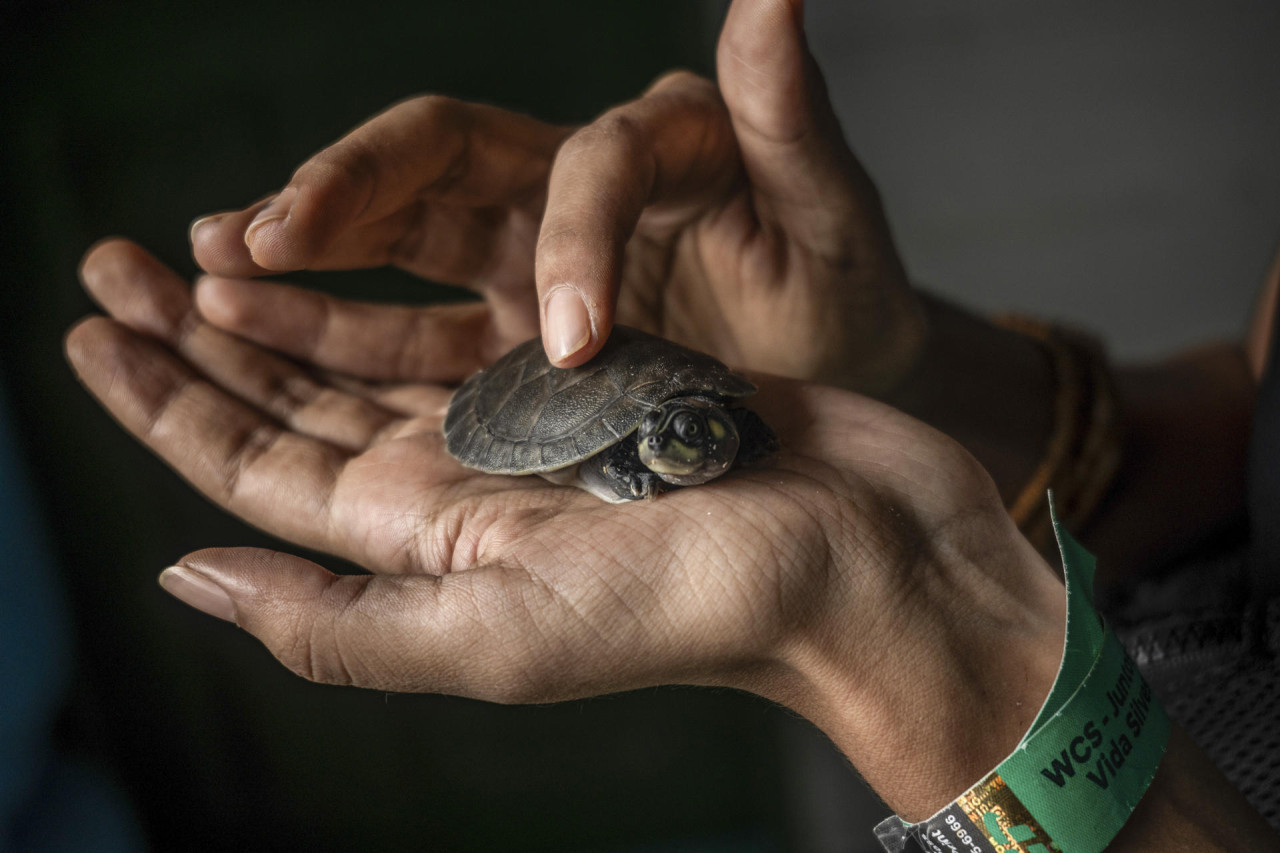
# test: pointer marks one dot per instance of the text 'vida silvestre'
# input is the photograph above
(1101, 748)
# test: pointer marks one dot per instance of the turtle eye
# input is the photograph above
(687, 426)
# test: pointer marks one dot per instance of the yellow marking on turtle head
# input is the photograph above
(676, 457)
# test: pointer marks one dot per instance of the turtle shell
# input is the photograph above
(521, 415)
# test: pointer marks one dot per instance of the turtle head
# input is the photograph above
(687, 441)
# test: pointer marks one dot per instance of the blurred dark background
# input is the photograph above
(1113, 166)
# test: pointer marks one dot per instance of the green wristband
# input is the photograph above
(1081, 768)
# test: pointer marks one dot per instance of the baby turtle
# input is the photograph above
(642, 417)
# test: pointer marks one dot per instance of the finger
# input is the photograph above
(441, 343)
(243, 460)
(802, 173)
(452, 244)
(217, 241)
(489, 250)
(145, 295)
(425, 147)
(410, 399)
(496, 634)
(671, 147)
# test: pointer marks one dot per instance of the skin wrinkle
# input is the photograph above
(327, 661)
(404, 251)
(641, 297)
(798, 138)
(618, 631)
(552, 242)
(327, 414)
(706, 550)
(288, 393)
(158, 411)
(318, 334)
(823, 642)
(445, 242)
(404, 551)
(819, 568)
(119, 376)
(417, 343)
(347, 167)
(510, 253)
(289, 396)
(739, 552)
(456, 544)
(325, 514)
(179, 334)
(453, 114)
(357, 606)
(260, 505)
(389, 431)
(672, 304)
(499, 530)
(404, 554)
(488, 256)
(694, 164)
(256, 442)
(532, 674)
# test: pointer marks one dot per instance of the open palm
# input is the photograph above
(358, 469)
(516, 590)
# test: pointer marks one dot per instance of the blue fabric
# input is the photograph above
(47, 801)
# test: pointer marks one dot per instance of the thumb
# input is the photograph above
(403, 633)
(803, 174)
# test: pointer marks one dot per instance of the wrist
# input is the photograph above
(925, 703)
(882, 355)
(988, 387)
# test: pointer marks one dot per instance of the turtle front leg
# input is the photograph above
(758, 440)
(616, 474)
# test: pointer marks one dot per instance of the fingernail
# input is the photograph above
(199, 223)
(275, 211)
(199, 592)
(568, 323)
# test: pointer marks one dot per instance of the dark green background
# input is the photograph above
(132, 118)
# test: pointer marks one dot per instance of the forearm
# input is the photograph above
(987, 387)
(923, 734)
(1185, 420)
(1188, 421)
(1190, 806)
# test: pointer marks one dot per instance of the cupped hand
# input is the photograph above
(845, 578)
(731, 217)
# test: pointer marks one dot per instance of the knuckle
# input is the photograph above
(618, 130)
(681, 80)
(560, 249)
(435, 108)
(312, 644)
(621, 127)
(297, 649)
(289, 394)
(251, 445)
(349, 167)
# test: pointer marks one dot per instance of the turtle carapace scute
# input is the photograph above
(644, 416)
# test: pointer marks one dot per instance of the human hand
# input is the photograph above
(867, 578)
(731, 218)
